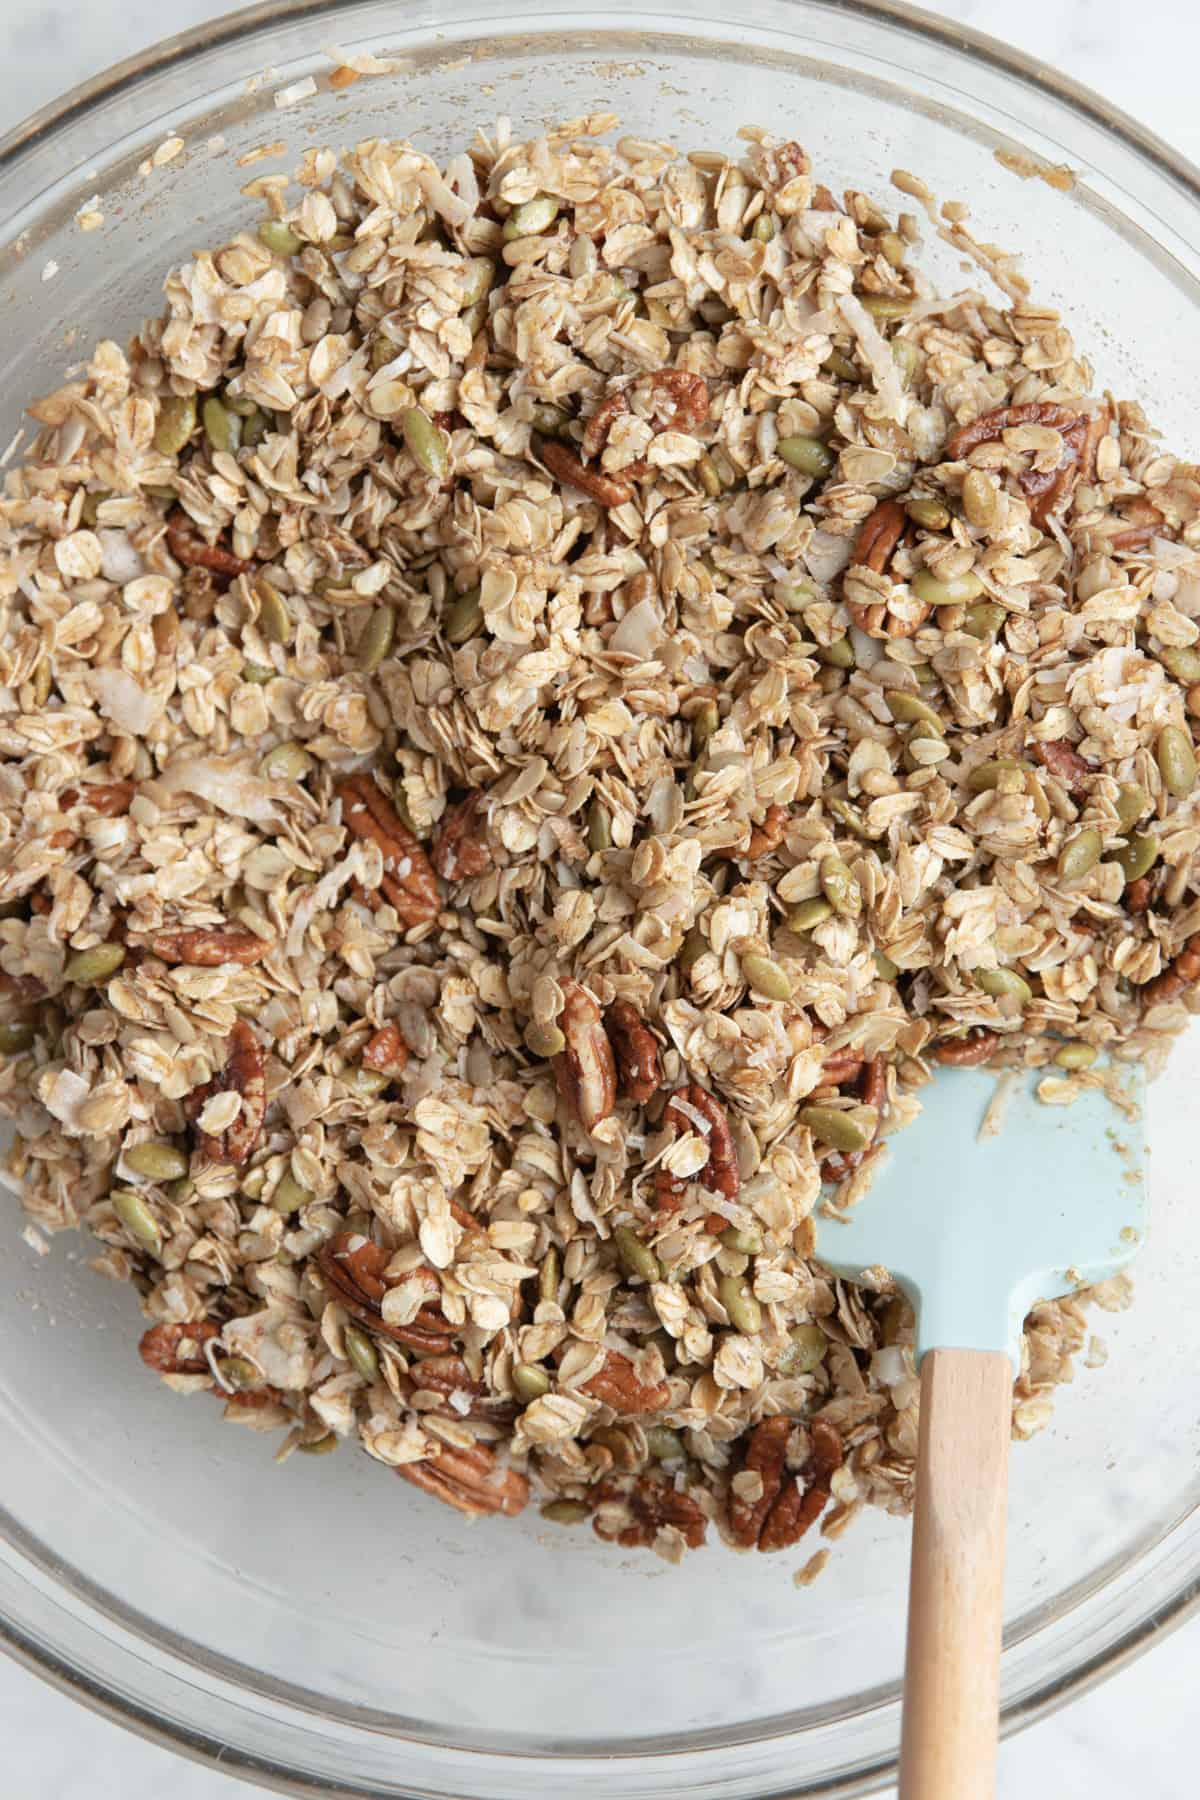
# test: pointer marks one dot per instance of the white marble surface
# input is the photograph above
(1134, 1734)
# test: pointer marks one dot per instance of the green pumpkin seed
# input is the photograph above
(809, 914)
(886, 306)
(1075, 1056)
(1132, 802)
(637, 1259)
(838, 655)
(319, 1446)
(980, 499)
(256, 675)
(796, 596)
(705, 721)
(763, 229)
(841, 366)
(241, 404)
(710, 475)
(477, 277)
(885, 968)
(157, 1160)
(425, 443)
(909, 709)
(1001, 983)
(1080, 856)
(463, 617)
(985, 776)
(550, 1275)
(566, 1512)
(274, 619)
(840, 888)
(957, 591)
(1177, 760)
(765, 977)
(279, 237)
(599, 831)
(732, 1262)
(745, 1313)
(748, 1240)
(548, 419)
(984, 619)
(932, 514)
(176, 423)
(894, 248)
(693, 947)
(286, 762)
(544, 1040)
(1138, 855)
(808, 454)
(15, 1037)
(664, 1444)
(831, 1125)
(289, 1196)
(804, 1350)
(376, 640)
(360, 1353)
(137, 1219)
(180, 1192)
(222, 428)
(1182, 663)
(906, 357)
(531, 218)
(239, 1372)
(87, 967)
(255, 427)
(529, 1381)
(366, 1082)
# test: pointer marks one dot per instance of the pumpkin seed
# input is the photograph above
(180, 1192)
(97, 964)
(840, 888)
(885, 968)
(548, 419)
(746, 1239)
(565, 1512)
(274, 619)
(1075, 1056)
(637, 1259)
(462, 618)
(531, 217)
(1182, 663)
(156, 1160)
(664, 1444)
(255, 427)
(376, 640)
(705, 721)
(957, 591)
(886, 306)
(838, 655)
(710, 475)
(841, 366)
(477, 277)
(1081, 855)
(732, 1262)
(360, 1352)
(15, 1037)
(319, 1446)
(425, 443)
(222, 428)
(983, 620)
(256, 675)
(691, 950)
(906, 357)
(529, 1381)
(1001, 983)
(893, 248)
(745, 1313)
(804, 1350)
(932, 514)
(176, 423)
(1177, 760)
(544, 1040)
(286, 762)
(985, 776)
(1138, 855)
(832, 1126)
(550, 1275)
(796, 596)
(808, 454)
(909, 709)
(279, 237)
(137, 1219)
(599, 831)
(1132, 802)
(980, 499)
(809, 914)
(763, 229)
(239, 1372)
(289, 1196)
(765, 977)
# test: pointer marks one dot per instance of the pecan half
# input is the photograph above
(460, 848)
(353, 1268)
(1138, 895)
(767, 837)
(386, 1050)
(787, 1505)
(207, 947)
(109, 799)
(584, 1070)
(189, 548)
(1180, 975)
(408, 878)
(472, 1481)
(564, 465)
(686, 394)
(178, 1349)
(650, 1504)
(878, 536)
(1080, 433)
(1064, 763)
(445, 1375)
(720, 1172)
(243, 1074)
(635, 1048)
(617, 1385)
(964, 1052)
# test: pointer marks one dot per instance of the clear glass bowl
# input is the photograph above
(323, 1628)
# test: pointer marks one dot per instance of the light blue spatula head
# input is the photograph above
(975, 1232)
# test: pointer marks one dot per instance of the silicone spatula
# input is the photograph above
(974, 1233)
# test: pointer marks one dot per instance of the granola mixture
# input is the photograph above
(536, 699)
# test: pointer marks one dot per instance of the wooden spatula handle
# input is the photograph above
(955, 1603)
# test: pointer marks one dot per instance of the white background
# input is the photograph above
(1134, 1736)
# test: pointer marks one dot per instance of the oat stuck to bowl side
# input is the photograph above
(536, 700)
